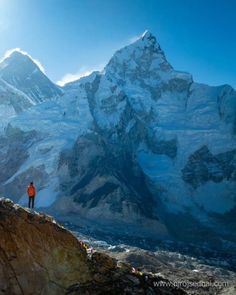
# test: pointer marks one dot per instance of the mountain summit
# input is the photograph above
(144, 57)
(20, 71)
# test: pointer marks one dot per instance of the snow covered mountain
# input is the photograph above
(12, 102)
(20, 71)
(137, 148)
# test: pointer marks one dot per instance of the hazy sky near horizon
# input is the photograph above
(73, 37)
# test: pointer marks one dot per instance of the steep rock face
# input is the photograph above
(99, 185)
(21, 72)
(202, 167)
(37, 256)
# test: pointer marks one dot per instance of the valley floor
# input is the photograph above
(199, 271)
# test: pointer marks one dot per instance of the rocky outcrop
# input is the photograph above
(203, 166)
(37, 256)
(40, 257)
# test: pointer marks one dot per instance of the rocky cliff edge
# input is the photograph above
(38, 256)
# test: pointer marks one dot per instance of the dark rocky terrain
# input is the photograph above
(198, 270)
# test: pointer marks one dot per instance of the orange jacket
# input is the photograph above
(31, 191)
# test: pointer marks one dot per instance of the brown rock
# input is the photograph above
(103, 263)
(37, 256)
(125, 267)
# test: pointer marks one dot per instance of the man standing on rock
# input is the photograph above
(31, 191)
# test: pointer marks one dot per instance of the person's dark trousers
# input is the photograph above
(31, 202)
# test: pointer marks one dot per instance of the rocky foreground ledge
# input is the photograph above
(38, 256)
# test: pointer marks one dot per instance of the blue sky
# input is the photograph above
(73, 37)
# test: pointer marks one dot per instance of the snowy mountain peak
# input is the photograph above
(146, 40)
(17, 54)
(148, 36)
(142, 56)
(19, 58)
(24, 73)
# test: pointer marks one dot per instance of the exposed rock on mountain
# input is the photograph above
(107, 186)
(202, 167)
(37, 256)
